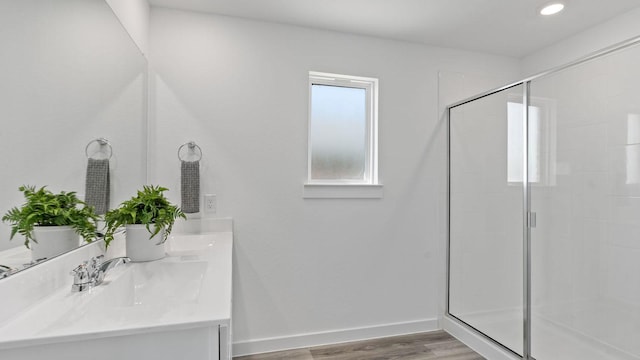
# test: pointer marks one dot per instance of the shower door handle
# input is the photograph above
(531, 219)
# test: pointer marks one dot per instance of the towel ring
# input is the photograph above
(192, 146)
(103, 142)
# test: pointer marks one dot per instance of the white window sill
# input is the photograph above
(342, 191)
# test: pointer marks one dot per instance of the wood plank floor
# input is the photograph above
(437, 345)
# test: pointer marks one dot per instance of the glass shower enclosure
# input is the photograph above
(544, 211)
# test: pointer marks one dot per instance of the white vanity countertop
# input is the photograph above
(189, 288)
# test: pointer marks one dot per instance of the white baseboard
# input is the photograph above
(475, 341)
(332, 337)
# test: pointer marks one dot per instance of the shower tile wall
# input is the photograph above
(586, 247)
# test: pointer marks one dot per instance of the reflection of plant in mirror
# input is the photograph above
(44, 208)
(148, 207)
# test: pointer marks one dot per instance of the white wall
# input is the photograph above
(307, 270)
(618, 29)
(134, 16)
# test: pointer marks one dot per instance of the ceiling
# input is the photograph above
(503, 27)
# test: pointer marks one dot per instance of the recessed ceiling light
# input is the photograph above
(552, 9)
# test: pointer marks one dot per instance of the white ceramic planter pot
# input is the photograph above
(140, 247)
(53, 241)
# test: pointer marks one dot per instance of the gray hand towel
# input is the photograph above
(190, 186)
(97, 185)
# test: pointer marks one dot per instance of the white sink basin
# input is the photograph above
(156, 283)
(132, 294)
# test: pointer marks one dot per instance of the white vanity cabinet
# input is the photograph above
(196, 343)
(175, 308)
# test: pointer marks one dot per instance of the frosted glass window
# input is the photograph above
(341, 130)
(338, 132)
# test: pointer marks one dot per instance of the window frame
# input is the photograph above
(370, 85)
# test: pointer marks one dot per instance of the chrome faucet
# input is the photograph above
(91, 273)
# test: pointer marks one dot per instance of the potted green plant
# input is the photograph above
(51, 223)
(148, 218)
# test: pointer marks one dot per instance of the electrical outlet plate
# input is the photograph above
(210, 203)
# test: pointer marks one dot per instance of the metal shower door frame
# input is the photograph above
(526, 194)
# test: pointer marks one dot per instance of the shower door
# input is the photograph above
(485, 269)
(586, 192)
(544, 211)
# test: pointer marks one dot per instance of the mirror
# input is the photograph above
(69, 74)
